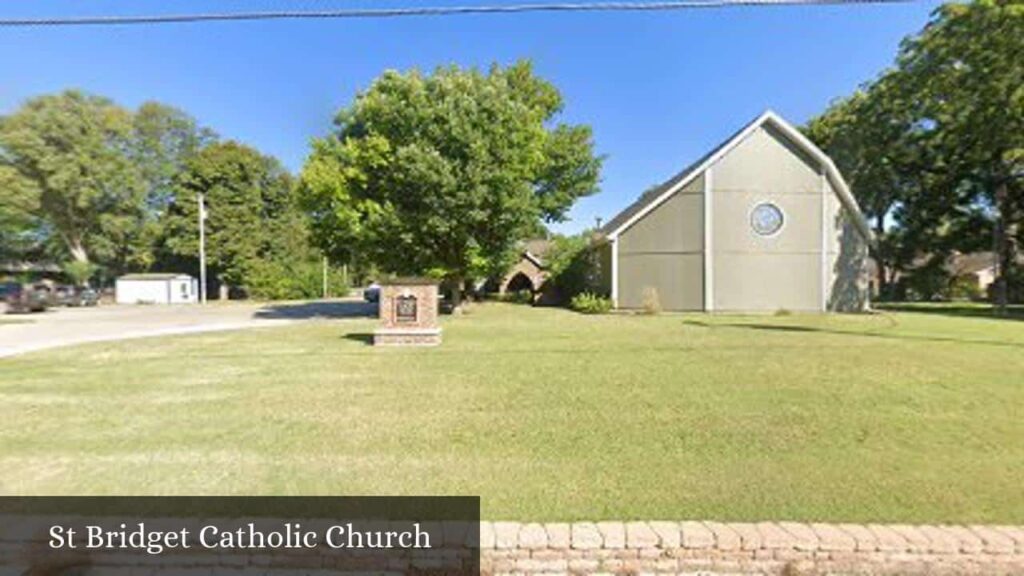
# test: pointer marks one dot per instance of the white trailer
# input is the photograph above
(157, 289)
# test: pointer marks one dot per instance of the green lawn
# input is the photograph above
(548, 415)
(965, 309)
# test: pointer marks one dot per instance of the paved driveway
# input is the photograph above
(67, 326)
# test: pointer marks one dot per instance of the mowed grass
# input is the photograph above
(547, 415)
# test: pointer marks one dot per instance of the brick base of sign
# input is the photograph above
(408, 313)
(407, 337)
(715, 548)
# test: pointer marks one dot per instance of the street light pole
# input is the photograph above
(325, 277)
(202, 247)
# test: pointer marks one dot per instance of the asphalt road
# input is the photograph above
(21, 333)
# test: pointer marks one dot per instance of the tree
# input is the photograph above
(573, 266)
(94, 175)
(966, 70)
(900, 184)
(18, 223)
(79, 272)
(66, 153)
(164, 139)
(868, 136)
(934, 149)
(442, 174)
(249, 205)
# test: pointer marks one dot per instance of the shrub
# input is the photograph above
(80, 272)
(589, 303)
(271, 280)
(573, 266)
(965, 288)
(651, 301)
(929, 282)
(518, 297)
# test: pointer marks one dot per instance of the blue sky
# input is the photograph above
(658, 88)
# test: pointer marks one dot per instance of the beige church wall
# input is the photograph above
(767, 282)
(835, 222)
(801, 230)
(766, 162)
(782, 271)
(663, 251)
(673, 227)
(677, 278)
(849, 289)
(848, 282)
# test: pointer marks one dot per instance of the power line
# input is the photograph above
(353, 13)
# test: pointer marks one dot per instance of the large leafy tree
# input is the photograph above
(163, 140)
(901, 185)
(441, 174)
(867, 135)
(934, 149)
(66, 153)
(18, 223)
(250, 210)
(92, 175)
(966, 69)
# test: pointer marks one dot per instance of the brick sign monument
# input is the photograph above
(408, 313)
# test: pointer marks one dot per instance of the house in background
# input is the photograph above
(960, 276)
(157, 289)
(763, 222)
(977, 268)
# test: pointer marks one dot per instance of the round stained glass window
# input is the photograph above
(766, 219)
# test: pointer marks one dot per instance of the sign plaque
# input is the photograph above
(405, 309)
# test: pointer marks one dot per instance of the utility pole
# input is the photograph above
(325, 277)
(202, 247)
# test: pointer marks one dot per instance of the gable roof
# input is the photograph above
(533, 258)
(534, 250)
(659, 194)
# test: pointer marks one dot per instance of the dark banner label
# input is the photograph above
(239, 535)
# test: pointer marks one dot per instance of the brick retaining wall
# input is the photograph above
(590, 548)
(735, 548)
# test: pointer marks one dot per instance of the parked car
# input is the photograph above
(372, 293)
(72, 296)
(19, 297)
(64, 295)
(87, 297)
(45, 293)
(5, 289)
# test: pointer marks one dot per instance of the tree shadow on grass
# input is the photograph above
(835, 332)
(776, 328)
(318, 310)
